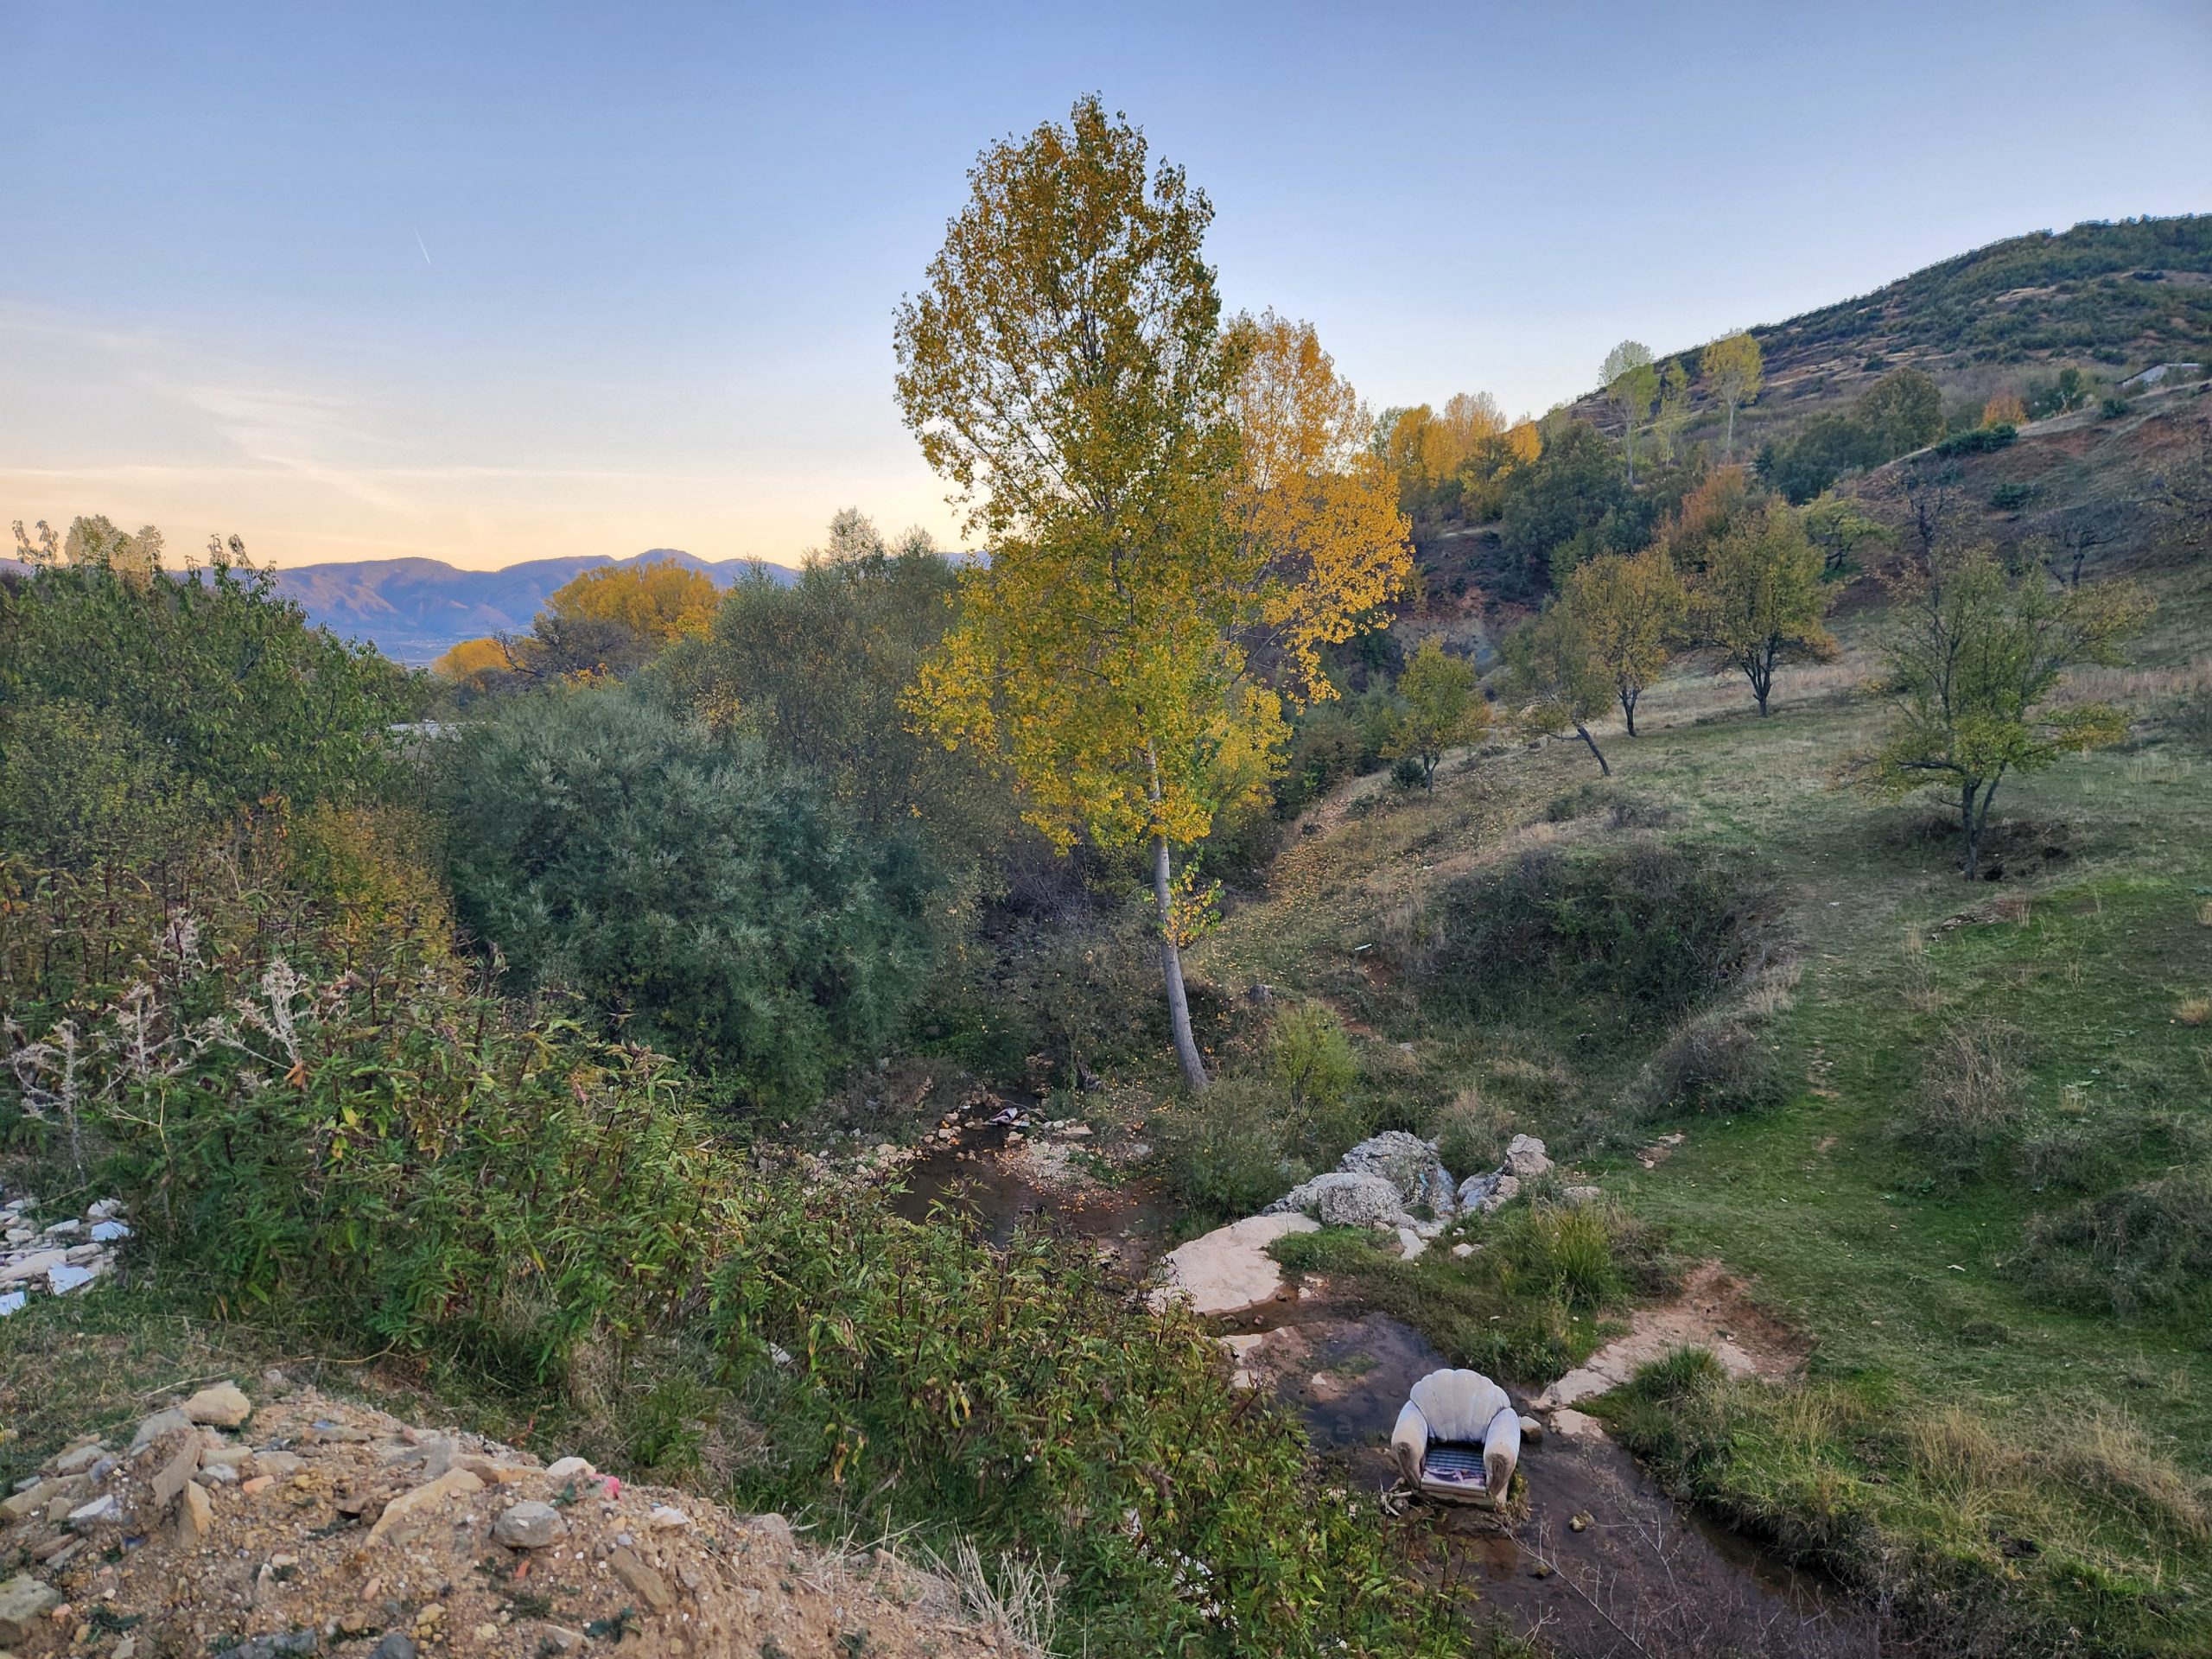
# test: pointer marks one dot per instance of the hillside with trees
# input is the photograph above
(1694, 907)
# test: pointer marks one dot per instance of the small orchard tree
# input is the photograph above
(1735, 369)
(1180, 517)
(1631, 611)
(1554, 677)
(1970, 674)
(1441, 708)
(1836, 525)
(1760, 600)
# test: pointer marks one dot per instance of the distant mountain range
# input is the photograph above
(412, 610)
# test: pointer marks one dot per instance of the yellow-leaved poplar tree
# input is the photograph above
(1179, 515)
(470, 658)
(1734, 369)
(1631, 611)
(658, 600)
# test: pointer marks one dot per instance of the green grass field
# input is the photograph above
(1911, 1279)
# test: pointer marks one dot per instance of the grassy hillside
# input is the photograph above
(1975, 1298)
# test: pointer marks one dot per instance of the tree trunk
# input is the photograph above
(1728, 447)
(1973, 830)
(1171, 957)
(1628, 710)
(1604, 771)
(1759, 670)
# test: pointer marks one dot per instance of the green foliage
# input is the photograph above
(1571, 498)
(1981, 440)
(1971, 663)
(131, 702)
(2143, 1251)
(1310, 1056)
(1227, 1150)
(1440, 709)
(714, 899)
(1026, 1392)
(1632, 937)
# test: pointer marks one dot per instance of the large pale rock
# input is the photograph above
(528, 1525)
(176, 1475)
(454, 1483)
(1525, 1157)
(223, 1406)
(1229, 1269)
(23, 1602)
(1487, 1194)
(195, 1516)
(1407, 1162)
(161, 1423)
(1354, 1201)
(643, 1580)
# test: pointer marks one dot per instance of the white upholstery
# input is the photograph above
(1465, 1406)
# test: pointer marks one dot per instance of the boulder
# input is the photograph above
(161, 1422)
(1229, 1269)
(195, 1516)
(23, 1602)
(223, 1406)
(530, 1525)
(1347, 1200)
(1407, 1162)
(1525, 1157)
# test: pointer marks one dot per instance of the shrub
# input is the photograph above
(1981, 440)
(1720, 1061)
(1227, 1150)
(1969, 1102)
(1635, 936)
(718, 903)
(1471, 1132)
(2144, 1251)
(2010, 498)
(1310, 1056)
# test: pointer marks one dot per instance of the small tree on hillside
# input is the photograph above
(1735, 370)
(1632, 382)
(1555, 678)
(1836, 525)
(1441, 709)
(1631, 610)
(1762, 598)
(1970, 674)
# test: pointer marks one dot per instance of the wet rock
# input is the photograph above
(528, 1526)
(1229, 1269)
(23, 1602)
(224, 1406)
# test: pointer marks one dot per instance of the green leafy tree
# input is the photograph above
(1440, 709)
(717, 902)
(1903, 411)
(1735, 369)
(204, 686)
(1554, 677)
(1970, 670)
(1761, 599)
(1836, 525)
(1571, 497)
(1630, 610)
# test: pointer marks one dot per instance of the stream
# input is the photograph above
(1643, 1576)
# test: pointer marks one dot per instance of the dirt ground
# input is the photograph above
(321, 1526)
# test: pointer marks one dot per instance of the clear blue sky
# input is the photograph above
(489, 283)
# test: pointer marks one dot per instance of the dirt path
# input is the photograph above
(1712, 1312)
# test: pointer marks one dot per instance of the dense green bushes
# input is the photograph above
(1631, 938)
(718, 903)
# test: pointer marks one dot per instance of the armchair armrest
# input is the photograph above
(1501, 1451)
(1409, 1441)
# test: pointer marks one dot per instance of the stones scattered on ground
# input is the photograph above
(358, 1530)
(1577, 1426)
(1229, 1269)
(1485, 1195)
(1392, 1181)
(53, 1258)
(528, 1525)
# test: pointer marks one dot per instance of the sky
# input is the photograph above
(486, 283)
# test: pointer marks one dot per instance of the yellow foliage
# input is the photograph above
(1631, 610)
(661, 600)
(2005, 408)
(470, 658)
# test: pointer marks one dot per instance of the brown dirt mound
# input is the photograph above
(324, 1527)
